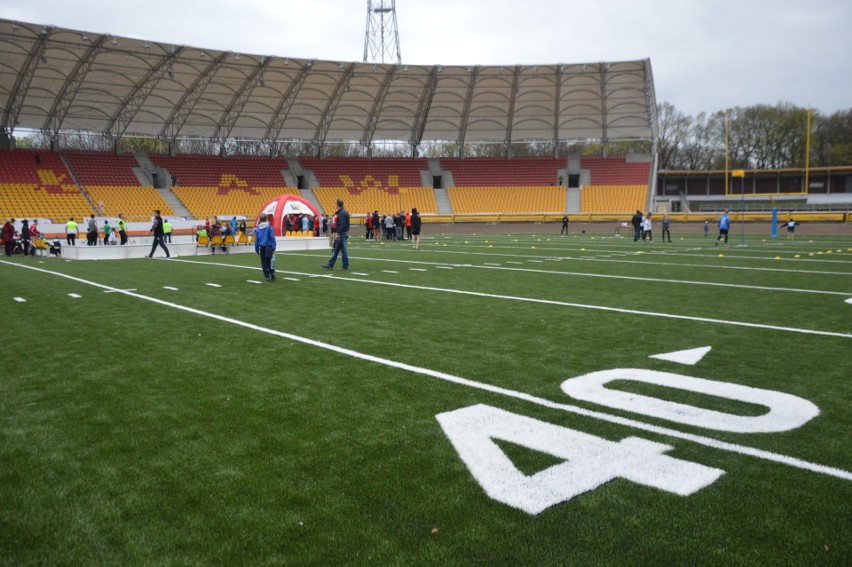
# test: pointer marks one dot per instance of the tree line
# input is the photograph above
(759, 137)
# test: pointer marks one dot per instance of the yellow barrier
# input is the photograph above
(836, 217)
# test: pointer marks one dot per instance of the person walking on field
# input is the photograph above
(341, 236)
(724, 226)
(636, 221)
(416, 223)
(264, 247)
(564, 225)
(157, 229)
(646, 228)
(666, 228)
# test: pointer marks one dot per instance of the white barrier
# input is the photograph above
(183, 245)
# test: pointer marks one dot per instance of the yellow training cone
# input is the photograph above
(721, 255)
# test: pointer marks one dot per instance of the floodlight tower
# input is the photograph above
(381, 42)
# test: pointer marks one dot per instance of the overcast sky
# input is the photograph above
(706, 55)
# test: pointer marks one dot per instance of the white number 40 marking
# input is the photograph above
(590, 461)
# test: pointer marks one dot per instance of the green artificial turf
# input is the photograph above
(180, 428)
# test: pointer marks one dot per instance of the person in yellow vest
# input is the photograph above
(167, 231)
(71, 231)
(122, 228)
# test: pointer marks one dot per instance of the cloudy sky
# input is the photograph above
(707, 55)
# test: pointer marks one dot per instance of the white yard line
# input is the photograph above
(618, 420)
(726, 322)
(487, 266)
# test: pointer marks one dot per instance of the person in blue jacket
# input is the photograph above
(724, 225)
(264, 246)
(341, 236)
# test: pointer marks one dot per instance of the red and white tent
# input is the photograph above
(283, 205)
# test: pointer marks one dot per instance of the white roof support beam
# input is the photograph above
(331, 108)
(131, 104)
(183, 109)
(276, 125)
(66, 95)
(25, 78)
(465, 115)
(376, 110)
(235, 108)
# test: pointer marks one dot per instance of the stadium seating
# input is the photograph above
(387, 185)
(613, 198)
(109, 178)
(498, 172)
(378, 199)
(616, 170)
(617, 186)
(213, 186)
(36, 184)
(467, 200)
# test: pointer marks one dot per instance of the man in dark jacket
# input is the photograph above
(637, 225)
(341, 236)
(157, 229)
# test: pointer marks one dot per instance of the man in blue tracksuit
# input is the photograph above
(724, 225)
(264, 246)
(341, 236)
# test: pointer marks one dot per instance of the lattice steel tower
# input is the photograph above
(381, 42)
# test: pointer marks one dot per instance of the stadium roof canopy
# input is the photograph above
(54, 79)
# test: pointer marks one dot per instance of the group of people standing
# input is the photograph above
(111, 233)
(404, 225)
(643, 227)
(20, 241)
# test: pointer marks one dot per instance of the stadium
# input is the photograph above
(534, 384)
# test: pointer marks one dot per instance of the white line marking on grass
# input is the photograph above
(389, 272)
(849, 300)
(131, 289)
(444, 267)
(690, 357)
(568, 304)
(536, 261)
(292, 279)
(632, 278)
(648, 263)
(20, 299)
(170, 288)
(618, 420)
(492, 264)
(253, 281)
(213, 285)
(359, 274)
(516, 263)
(418, 270)
(617, 310)
(74, 295)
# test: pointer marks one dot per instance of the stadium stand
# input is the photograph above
(617, 186)
(213, 186)
(384, 184)
(616, 170)
(613, 198)
(36, 184)
(467, 200)
(496, 185)
(109, 178)
(498, 172)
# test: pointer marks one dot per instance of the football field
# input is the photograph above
(495, 399)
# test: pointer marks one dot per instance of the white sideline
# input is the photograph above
(626, 422)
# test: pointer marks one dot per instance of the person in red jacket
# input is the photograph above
(408, 224)
(9, 236)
